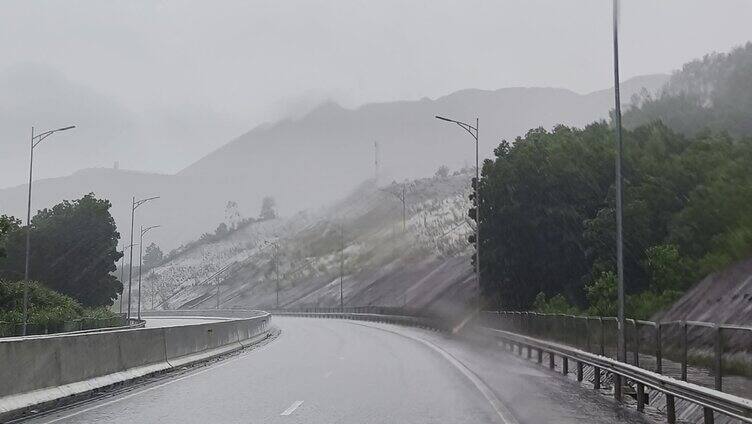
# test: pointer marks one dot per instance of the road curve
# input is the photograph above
(335, 371)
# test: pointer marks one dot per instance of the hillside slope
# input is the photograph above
(359, 238)
(722, 297)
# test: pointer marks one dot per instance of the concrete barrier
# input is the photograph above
(40, 371)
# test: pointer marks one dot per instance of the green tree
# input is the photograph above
(7, 225)
(555, 305)
(536, 196)
(602, 295)
(710, 93)
(666, 268)
(153, 256)
(73, 251)
(267, 208)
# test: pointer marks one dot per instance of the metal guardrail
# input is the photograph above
(709, 399)
(707, 345)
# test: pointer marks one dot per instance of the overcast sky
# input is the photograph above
(161, 83)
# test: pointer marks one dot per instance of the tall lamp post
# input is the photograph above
(134, 206)
(473, 131)
(122, 295)
(122, 274)
(140, 262)
(276, 267)
(402, 198)
(35, 140)
(341, 267)
(619, 185)
(621, 345)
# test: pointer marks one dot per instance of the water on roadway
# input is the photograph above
(333, 371)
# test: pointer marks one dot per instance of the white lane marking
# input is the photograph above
(292, 407)
(327, 375)
(505, 415)
(148, 389)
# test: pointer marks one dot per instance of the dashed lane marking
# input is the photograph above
(292, 407)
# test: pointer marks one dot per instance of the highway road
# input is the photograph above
(335, 371)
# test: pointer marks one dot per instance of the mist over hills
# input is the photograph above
(317, 158)
(312, 161)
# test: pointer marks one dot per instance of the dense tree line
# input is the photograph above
(549, 223)
(548, 233)
(710, 93)
(73, 250)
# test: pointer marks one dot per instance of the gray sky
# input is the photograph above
(158, 84)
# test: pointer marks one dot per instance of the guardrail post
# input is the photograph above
(564, 365)
(529, 352)
(684, 351)
(670, 409)
(579, 371)
(658, 352)
(602, 337)
(587, 334)
(617, 387)
(571, 332)
(540, 356)
(636, 351)
(640, 397)
(718, 358)
(551, 359)
(596, 378)
(707, 414)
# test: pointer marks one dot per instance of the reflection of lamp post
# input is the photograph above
(140, 262)
(134, 206)
(473, 131)
(35, 140)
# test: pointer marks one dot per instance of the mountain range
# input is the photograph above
(310, 162)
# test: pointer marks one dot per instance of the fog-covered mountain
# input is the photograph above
(314, 160)
(149, 137)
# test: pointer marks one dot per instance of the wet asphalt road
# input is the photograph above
(332, 371)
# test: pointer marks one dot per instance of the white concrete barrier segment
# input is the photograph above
(39, 371)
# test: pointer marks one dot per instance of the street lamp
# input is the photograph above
(341, 266)
(276, 267)
(35, 140)
(473, 131)
(140, 262)
(134, 206)
(402, 199)
(622, 346)
(122, 273)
